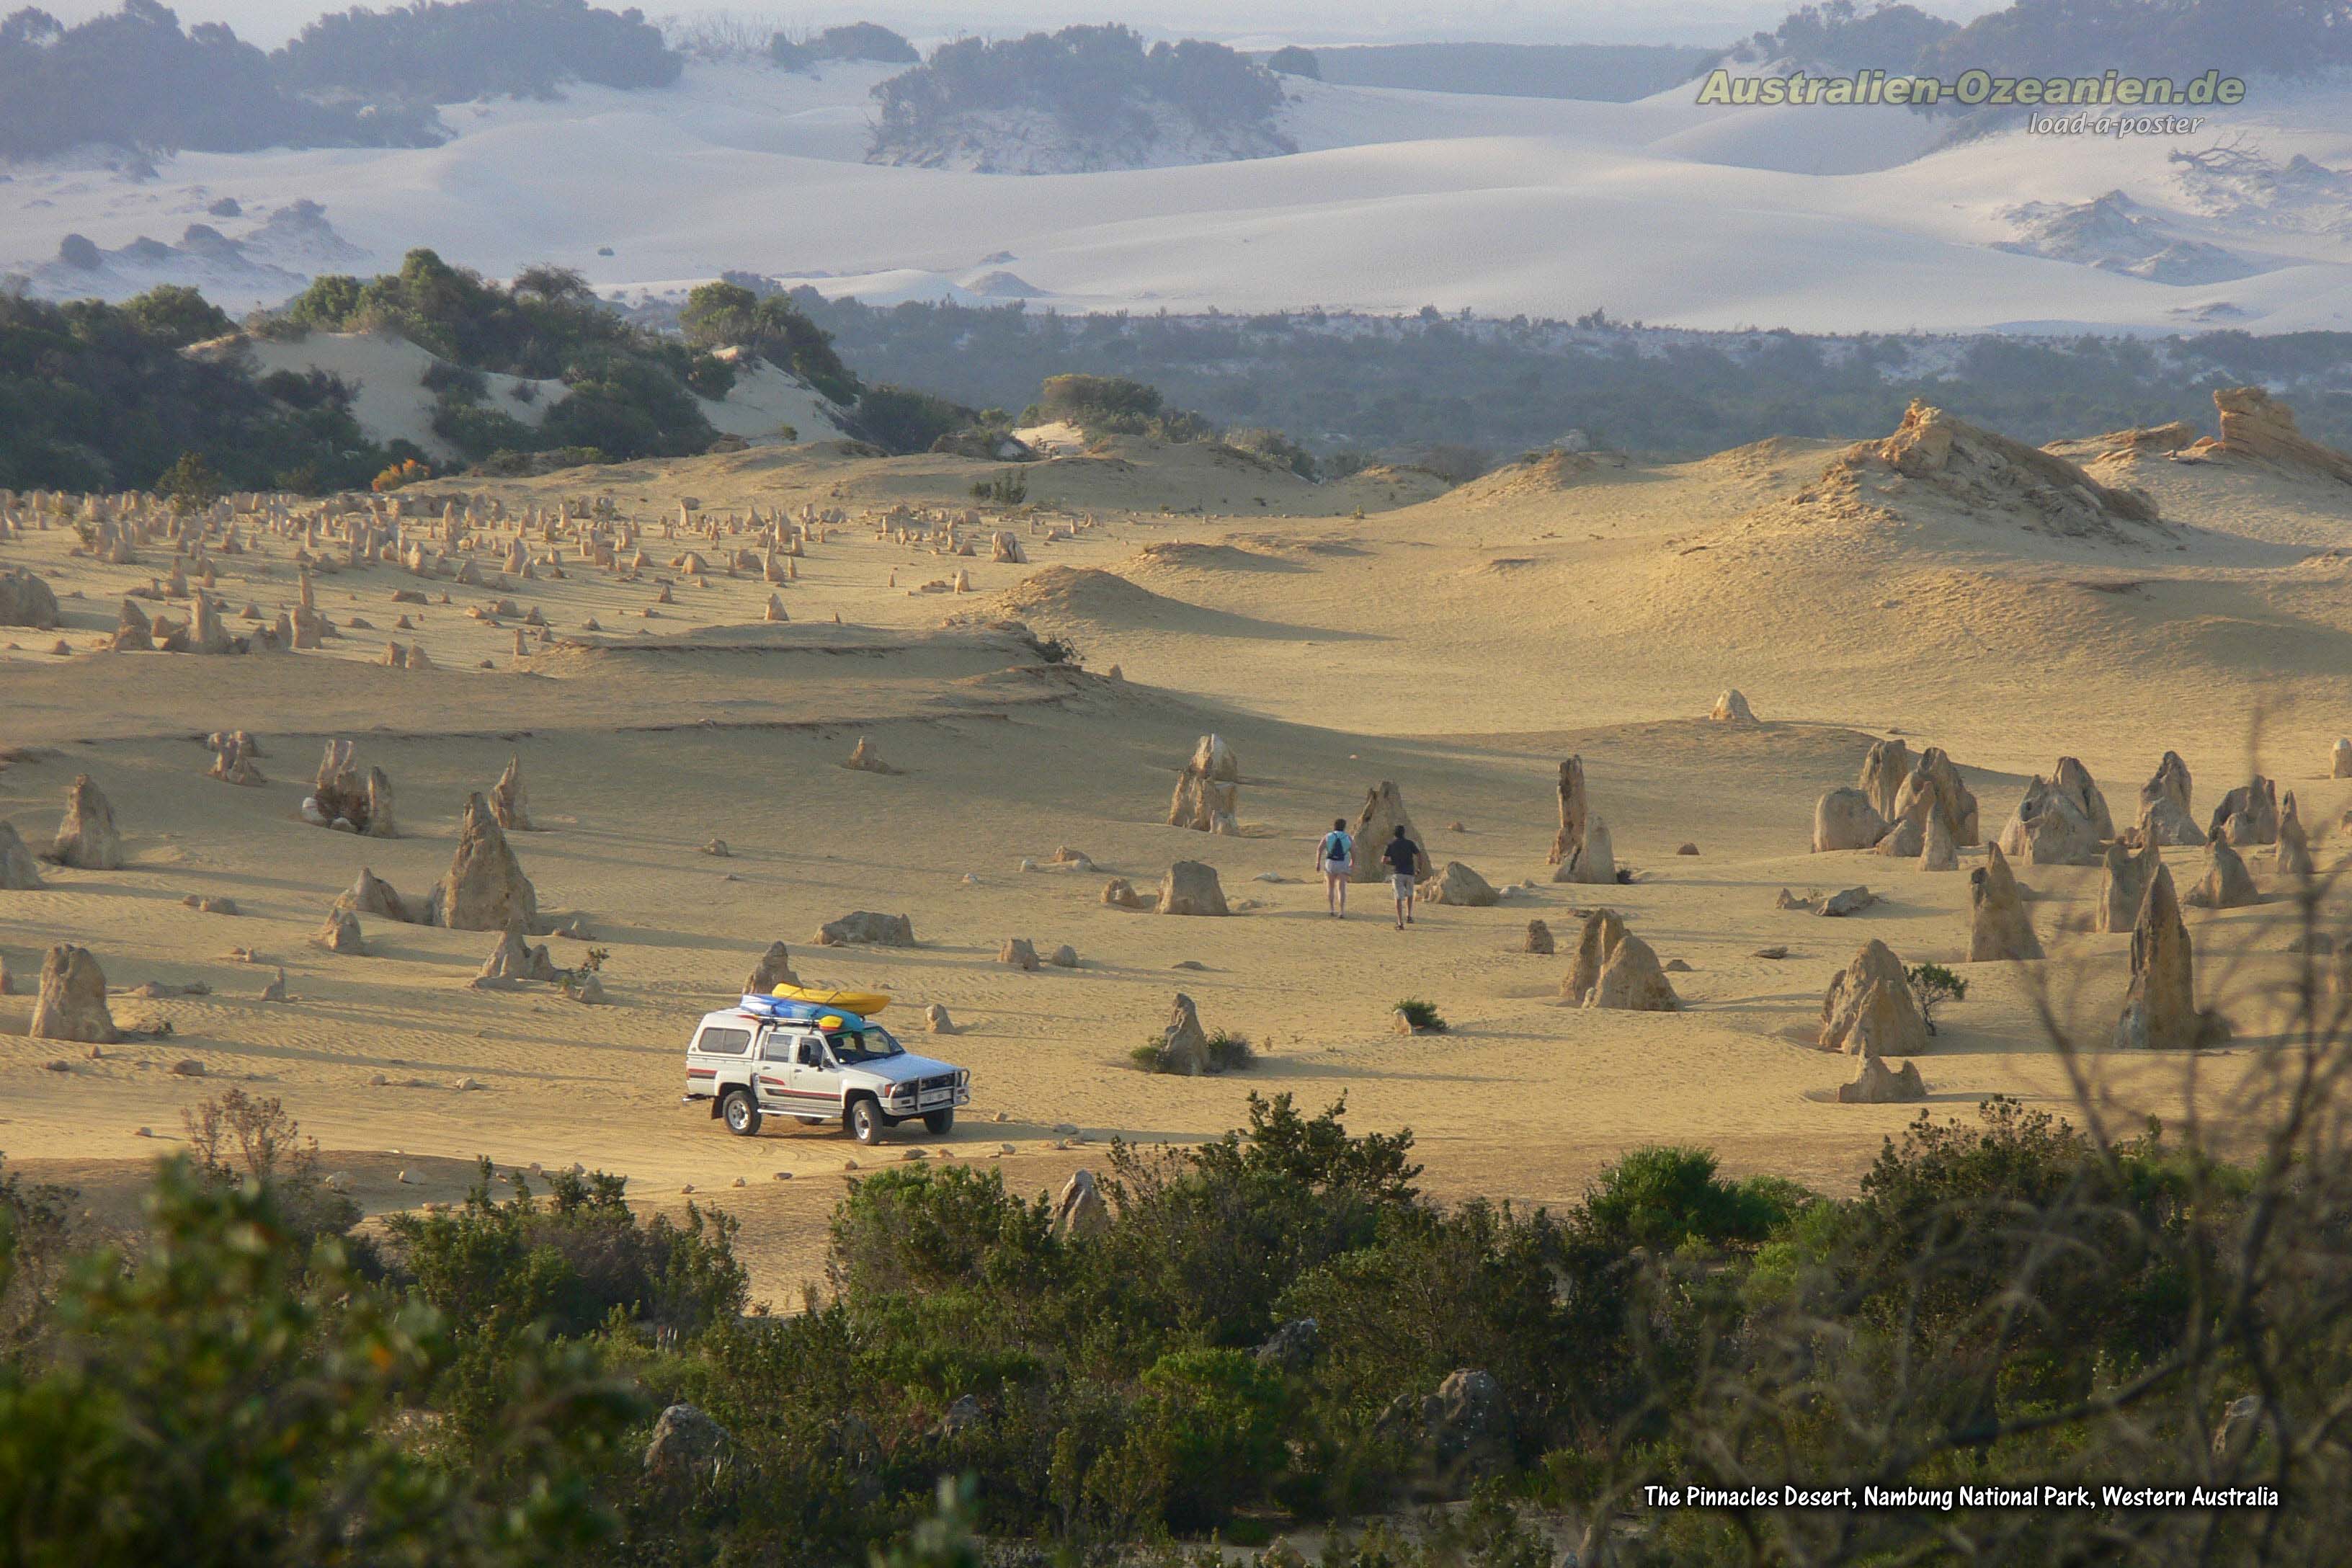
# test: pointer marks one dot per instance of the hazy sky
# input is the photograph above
(1242, 22)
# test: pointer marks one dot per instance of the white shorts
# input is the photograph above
(1335, 868)
(1403, 886)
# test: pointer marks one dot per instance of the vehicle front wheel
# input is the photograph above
(939, 1124)
(865, 1123)
(741, 1116)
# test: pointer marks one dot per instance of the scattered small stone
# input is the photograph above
(1676, 967)
(1063, 1129)
(916, 1154)
(144, 1132)
(1004, 1148)
(188, 1066)
(783, 1175)
(1772, 953)
(1687, 849)
(468, 1084)
(717, 847)
(741, 1182)
(849, 1165)
(377, 1080)
(1187, 964)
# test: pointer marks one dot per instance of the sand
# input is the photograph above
(1458, 643)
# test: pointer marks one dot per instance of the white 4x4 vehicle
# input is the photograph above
(751, 1066)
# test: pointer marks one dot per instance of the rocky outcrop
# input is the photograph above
(71, 1004)
(865, 759)
(1631, 981)
(864, 928)
(133, 632)
(2340, 759)
(381, 821)
(340, 794)
(2227, 884)
(1574, 807)
(1383, 813)
(485, 888)
(2256, 425)
(1937, 852)
(508, 801)
(1998, 928)
(1934, 775)
(686, 1442)
(1874, 1083)
(1079, 1210)
(774, 969)
(1458, 884)
(1731, 707)
(26, 601)
(1121, 894)
(1883, 769)
(2294, 843)
(1869, 1010)
(1190, 888)
(339, 932)
(236, 757)
(2165, 818)
(1539, 938)
(1604, 932)
(1208, 789)
(87, 836)
(1844, 818)
(2123, 887)
(372, 895)
(2160, 1010)
(514, 960)
(1596, 862)
(1183, 1044)
(19, 873)
(1978, 470)
(2061, 821)
(1018, 952)
(2257, 803)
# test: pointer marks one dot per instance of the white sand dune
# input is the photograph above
(1821, 219)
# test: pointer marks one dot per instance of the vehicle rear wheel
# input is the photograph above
(939, 1124)
(865, 1123)
(741, 1116)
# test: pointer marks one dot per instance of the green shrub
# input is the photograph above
(1420, 1015)
(1932, 984)
(1226, 1052)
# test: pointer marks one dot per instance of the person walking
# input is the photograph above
(1336, 857)
(1403, 857)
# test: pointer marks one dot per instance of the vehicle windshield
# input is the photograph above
(872, 1044)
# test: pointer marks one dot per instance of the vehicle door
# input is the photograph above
(771, 1075)
(815, 1079)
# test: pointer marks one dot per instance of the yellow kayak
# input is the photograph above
(860, 1001)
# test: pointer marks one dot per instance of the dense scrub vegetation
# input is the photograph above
(359, 77)
(852, 41)
(1272, 1330)
(98, 397)
(1092, 81)
(1837, 35)
(1340, 383)
(1608, 73)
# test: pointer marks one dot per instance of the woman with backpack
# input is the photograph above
(1336, 857)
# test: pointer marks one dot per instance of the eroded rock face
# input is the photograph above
(774, 969)
(485, 888)
(339, 932)
(2257, 802)
(1458, 884)
(1874, 1083)
(515, 959)
(71, 1004)
(2166, 822)
(236, 757)
(87, 836)
(1934, 775)
(2294, 843)
(18, 871)
(1883, 769)
(372, 895)
(1938, 853)
(865, 759)
(1207, 798)
(685, 1442)
(864, 928)
(1998, 928)
(2339, 760)
(1376, 824)
(1079, 1209)
(509, 803)
(2124, 887)
(1869, 1008)
(1976, 465)
(1632, 980)
(2256, 425)
(1731, 707)
(133, 632)
(1539, 938)
(1183, 1044)
(1574, 807)
(2170, 781)
(1018, 952)
(1844, 818)
(1596, 862)
(26, 601)
(2160, 1010)
(1604, 931)
(2227, 884)
(1121, 894)
(1190, 888)
(2052, 826)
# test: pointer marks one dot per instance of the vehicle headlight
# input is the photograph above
(963, 1078)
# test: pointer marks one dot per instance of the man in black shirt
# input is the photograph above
(1403, 857)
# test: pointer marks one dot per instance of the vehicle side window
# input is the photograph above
(812, 1054)
(775, 1049)
(722, 1042)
